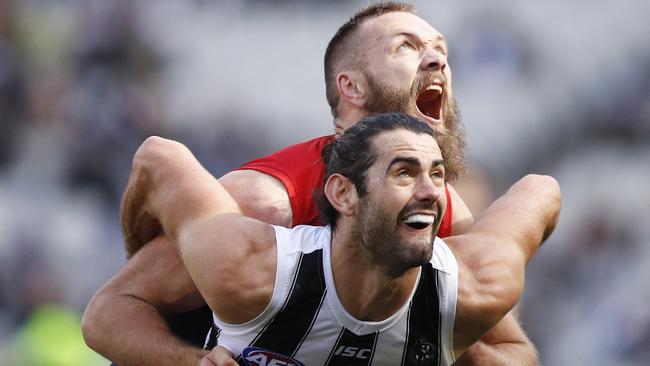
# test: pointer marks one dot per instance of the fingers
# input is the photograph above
(219, 356)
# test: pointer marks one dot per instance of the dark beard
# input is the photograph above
(383, 100)
(378, 233)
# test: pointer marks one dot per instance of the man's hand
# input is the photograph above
(219, 356)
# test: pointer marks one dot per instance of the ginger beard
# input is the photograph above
(388, 242)
(414, 101)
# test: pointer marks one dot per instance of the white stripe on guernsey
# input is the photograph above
(326, 330)
(390, 344)
(448, 281)
(323, 335)
(304, 238)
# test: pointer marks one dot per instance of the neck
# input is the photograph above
(366, 289)
(348, 118)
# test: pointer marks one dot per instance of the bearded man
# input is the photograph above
(374, 286)
(385, 58)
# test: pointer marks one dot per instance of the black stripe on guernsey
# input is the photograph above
(286, 332)
(353, 350)
(422, 345)
(320, 306)
(213, 337)
(239, 359)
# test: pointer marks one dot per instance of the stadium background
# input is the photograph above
(557, 87)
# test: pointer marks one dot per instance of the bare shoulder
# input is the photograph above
(259, 196)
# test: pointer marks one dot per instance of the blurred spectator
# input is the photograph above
(12, 84)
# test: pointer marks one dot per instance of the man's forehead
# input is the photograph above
(396, 142)
(400, 22)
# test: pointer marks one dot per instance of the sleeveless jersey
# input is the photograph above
(306, 324)
(300, 169)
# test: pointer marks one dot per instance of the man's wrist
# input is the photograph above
(191, 356)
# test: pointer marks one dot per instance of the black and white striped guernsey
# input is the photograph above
(305, 323)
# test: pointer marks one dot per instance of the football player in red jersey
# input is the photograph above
(385, 58)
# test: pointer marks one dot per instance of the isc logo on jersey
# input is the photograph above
(254, 356)
(361, 353)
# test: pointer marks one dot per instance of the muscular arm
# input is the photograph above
(230, 257)
(506, 344)
(124, 323)
(120, 321)
(259, 196)
(492, 255)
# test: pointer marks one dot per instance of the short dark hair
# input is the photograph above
(341, 49)
(352, 154)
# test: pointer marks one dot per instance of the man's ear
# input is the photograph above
(342, 194)
(353, 88)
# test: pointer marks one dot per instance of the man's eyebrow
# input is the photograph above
(439, 37)
(438, 162)
(410, 160)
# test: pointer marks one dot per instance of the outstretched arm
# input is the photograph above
(492, 255)
(506, 344)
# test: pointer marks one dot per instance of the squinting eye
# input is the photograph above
(404, 173)
(407, 46)
(441, 50)
(438, 174)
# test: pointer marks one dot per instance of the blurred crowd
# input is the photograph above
(560, 88)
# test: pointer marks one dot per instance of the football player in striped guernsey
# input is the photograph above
(373, 287)
(384, 59)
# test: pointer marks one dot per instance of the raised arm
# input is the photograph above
(231, 258)
(506, 344)
(493, 254)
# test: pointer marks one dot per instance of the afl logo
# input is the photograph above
(254, 356)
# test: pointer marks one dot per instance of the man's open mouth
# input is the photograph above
(429, 103)
(419, 221)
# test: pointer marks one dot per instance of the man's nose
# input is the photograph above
(434, 60)
(427, 190)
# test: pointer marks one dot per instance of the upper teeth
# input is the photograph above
(434, 87)
(419, 218)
